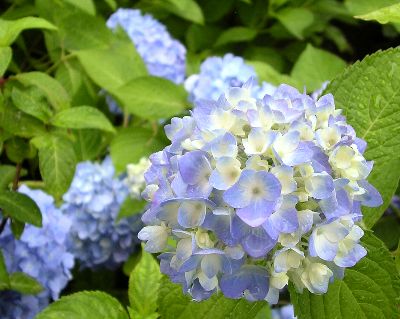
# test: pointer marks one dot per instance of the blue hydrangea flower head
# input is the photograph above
(284, 312)
(253, 192)
(92, 203)
(40, 253)
(163, 56)
(218, 74)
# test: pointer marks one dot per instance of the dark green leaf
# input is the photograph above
(5, 59)
(18, 149)
(131, 207)
(4, 279)
(7, 174)
(21, 207)
(296, 20)
(186, 9)
(236, 34)
(88, 144)
(17, 228)
(24, 284)
(387, 229)
(85, 5)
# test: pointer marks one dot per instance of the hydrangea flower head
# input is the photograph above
(135, 177)
(40, 253)
(284, 312)
(163, 56)
(252, 193)
(218, 74)
(93, 202)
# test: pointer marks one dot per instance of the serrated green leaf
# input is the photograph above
(172, 304)
(5, 59)
(369, 94)
(4, 279)
(295, 20)
(186, 9)
(236, 34)
(130, 207)
(152, 97)
(144, 283)
(131, 144)
(83, 117)
(383, 15)
(316, 66)
(57, 161)
(10, 29)
(32, 102)
(24, 284)
(21, 207)
(56, 94)
(87, 305)
(7, 174)
(368, 290)
(88, 144)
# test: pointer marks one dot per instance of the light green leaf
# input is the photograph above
(80, 117)
(383, 15)
(186, 9)
(21, 207)
(356, 296)
(7, 174)
(397, 258)
(56, 94)
(172, 304)
(57, 161)
(10, 29)
(136, 315)
(152, 97)
(295, 20)
(5, 59)
(85, 5)
(264, 313)
(32, 102)
(131, 144)
(360, 7)
(316, 66)
(24, 284)
(112, 4)
(88, 144)
(4, 279)
(19, 149)
(236, 34)
(369, 94)
(87, 305)
(113, 66)
(130, 207)
(144, 283)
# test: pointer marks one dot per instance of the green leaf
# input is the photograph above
(85, 5)
(18, 149)
(264, 313)
(356, 296)
(387, 229)
(144, 283)
(80, 117)
(131, 144)
(56, 94)
(130, 207)
(32, 102)
(87, 305)
(186, 9)
(10, 29)
(4, 279)
(5, 59)
(369, 94)
(57, 161)
(315, 66)
(113, 66)
(360, 7)
(295, 20)
(21, 207)
(88, 144)
(383, 15)
(172, 304)
(7, 174)
(152, 97)
(17, 228)
(236, 34)
(397, 258)
(24, 284)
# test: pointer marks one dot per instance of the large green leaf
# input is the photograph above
(369, 290)
(131, 144)
(24, 284)
(172, 304)
(21, 207)
(360, 7)
(152, 97)
(10, 29)
(57, 161)
(7, 174)
(186, 9)
(315, 66)
(80, 117)
(144, 283)
(85, 5)
(369, 94)
(236, 34)
(88, 144)
(87, 305)
(295, 20)
(383, 15)
(5, 59)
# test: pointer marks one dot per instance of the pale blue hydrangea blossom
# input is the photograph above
(256, 192)
(218, 74)
(284, 312)
(135, 177)
(93, 202)
(40, 253)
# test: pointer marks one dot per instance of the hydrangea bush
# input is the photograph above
(40, 253)
(254, 193)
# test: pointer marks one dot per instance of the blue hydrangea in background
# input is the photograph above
(252, 193)
(217, 74)
(40, 253)
(285, 312)
(93, 203)
(163, 56)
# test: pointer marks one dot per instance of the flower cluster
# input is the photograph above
(252, 193)
(285, 312)
(93, 202)
(40, 253)
(218, 74)
(163, 56)
(135, 177)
